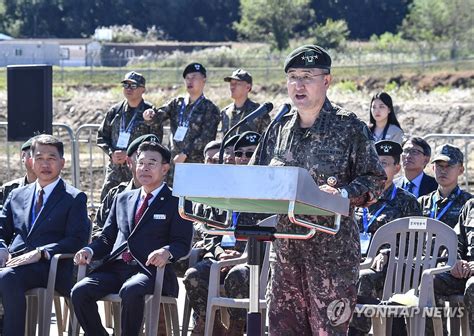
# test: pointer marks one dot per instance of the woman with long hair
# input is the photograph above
(383, 121)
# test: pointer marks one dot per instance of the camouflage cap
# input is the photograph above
(388, 148)
(231, 141)
(214, 144)
(133, 146)
(27, 144)
(134, 77)
(240, 75)
(449, 153)
(247, 139)
(194, 67)
(308, 56)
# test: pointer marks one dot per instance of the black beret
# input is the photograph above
(308, 56)
(132, 148)
(27, 144)
(388, 148)
(247, 139)
(194, 67)
(231, 141)
(134, 77)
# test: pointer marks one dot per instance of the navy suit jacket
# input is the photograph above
(160, 227)
(427, 185)
(61, 227)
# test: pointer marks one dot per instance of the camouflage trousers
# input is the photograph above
(115, 174)
(304, 300)
(236, 285)
(369, 290)
(446, 285)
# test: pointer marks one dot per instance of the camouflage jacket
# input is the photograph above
(230, 116)
(451, 215)
(7, 187)
(465, 230)
(404, 204)
(106, 205)
(202, 125)
(109, 130)
(337, 150)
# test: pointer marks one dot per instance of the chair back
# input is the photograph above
(265, 270)
(416, 244)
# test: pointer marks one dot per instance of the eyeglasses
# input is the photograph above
(241, 153)
(412, 151)
(132, 86)
(148, 165)
(305, 79)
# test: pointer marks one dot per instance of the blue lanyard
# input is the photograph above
(235, 218)
(434, 207)
(130, 124)
(365, 212)
(183, 107)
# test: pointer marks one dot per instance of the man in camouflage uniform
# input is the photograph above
(235, 280)
(122, 124)
(193, 119)
(394, 203)
(445, 203)
(311, 277)
(29, 177)
(240, 84)
(106, 205)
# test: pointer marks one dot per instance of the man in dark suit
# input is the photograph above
(135, 240)
(415, 156)
(38, 221)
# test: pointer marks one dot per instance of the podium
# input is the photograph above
(256, 189)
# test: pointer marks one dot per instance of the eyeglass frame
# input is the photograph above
(241, 154)
(305, 79)
(132, 86)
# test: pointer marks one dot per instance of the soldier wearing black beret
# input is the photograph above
(193, 118)
(337, 149)
(29, 177)
(245, 147)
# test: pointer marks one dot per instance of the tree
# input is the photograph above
(272, 20)
(434, 21)
(332, 34)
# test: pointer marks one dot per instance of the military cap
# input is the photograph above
(247, 139)
(27, 144)
(132, 148)
(134, 77)
(163, 150)
(240, 75)
(308, 56)
(231, 141)
(388, 148)
(214, 144)
(449, 153)
(194, 67)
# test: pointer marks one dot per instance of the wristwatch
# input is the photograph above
(42, 253)
(343, 192)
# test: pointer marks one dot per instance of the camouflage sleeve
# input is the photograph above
(208, 130)
(104, 134)
(461, 231)
(424, 203)
(412, 208)
(163, 113)
(263, 123)
(369, 175)
(225, 121)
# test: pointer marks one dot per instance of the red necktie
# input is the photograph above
(126, 255)
(39, 203)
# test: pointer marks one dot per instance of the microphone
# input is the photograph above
(263, 109)
(259, 112)
(284, 109)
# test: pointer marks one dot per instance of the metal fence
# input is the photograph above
(86, 163)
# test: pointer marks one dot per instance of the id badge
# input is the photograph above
(228, 241)
(364, 242)
(180, 133)
(123, 139)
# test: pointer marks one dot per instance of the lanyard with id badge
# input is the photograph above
(184, 124)
(366, 235)
(125, 131)
(229, 240)
(434, 209)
